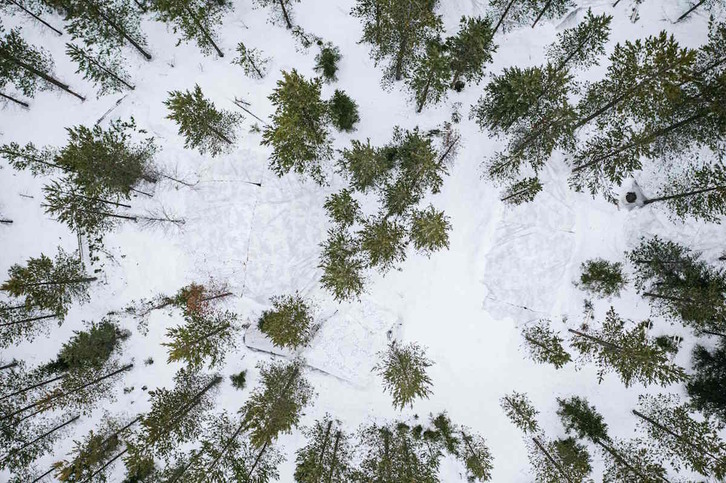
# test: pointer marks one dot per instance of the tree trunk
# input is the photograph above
(616, 3)
(108, 202)
(5, 221)
(709, 332)
(111, 215)
(120, 30)
(284, 14)
(13, 308)
(552, 460)
(201, 29)
(206, 336)
(42, 75)
(8, 366)
(688, 12)
(501, 19)
(35, 160)
(606, 344)
(622, 460)
(544, 9)
(402, 46)
(55, 396)
(36, 17)
(325, 443)
(335, 454)
(224, 449)
(219, 134)
(422, 99)
(51, 470)
(508, 197)
(32, 319)
(98, 64)
(12, 99)
(682, 195)
(61, 282)
(674, 434)
(42, 436)
(666, 297)
(26, 389)
(105, 465)
(538, 344)
(257, 461)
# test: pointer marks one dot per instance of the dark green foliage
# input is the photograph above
(697, 192)
(206, 335)
(342, 208)
(275, 406)
(430, 74)
(707, 386)
(193, 20)
(19, 457)
(679, 284)
(252, 61)
(686, 441)
(203, 126)
(581, 419)
(49, 285)
(470, 50)
(89, 350)
(403, 370)
(281, 10)
(633, 354)
(545, 346)
(326, 62)
(37, 161)
(476, 456)
(632, 462)
(298, 133)
(105, 71)
(289, 323)
(602, 278)
(570, 461)
(522, 191)
(366, 166)
(343, 111)
(342, 265)
(429, 230)
(396, 32)
(383, 242)
(14, 48)
(580, 46)
(521, 412)
(327, 455)
(239, 380)
(511, 14)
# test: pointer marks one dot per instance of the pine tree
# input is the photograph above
(107, 25)
(580, 46)
(470, 50)
(631, 461)
(522, 191)
(28, 68)
(397, 31)
(327, 455)
(106, 71)
(252, 61)
(343, 111)
(706, 387)
(383, 242)
(476, 456)
(634, 355)
(394, 453)
(679, 285)
(289, 323)
(203, 126)
(49, 285)
(203, 338)
(342, 265)
(545, 346)
(521, 412)
(10, 6)
(275, 406)
(602, 278)
(430, 74)
(559, 460)
(298, 133)
(403, 370)
(281, 9)
(326, 62)
(429, 230)
(193, 20)
(342, 208)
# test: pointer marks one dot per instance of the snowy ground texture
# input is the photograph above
(505, 267)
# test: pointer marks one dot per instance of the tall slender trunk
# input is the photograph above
(710, 332)
(501, 19)
(226, 447)
(603, 343)
(106, 465)
(552, 460)
(9, 366)
(33, 386)
(402, 47)
(544, 9)
(42, 436)
(285, 14)
(103, 68)
(13, 308)
(257, 461)
(219, 134)
(623, 461)
(16, 101)
(682, 195)
(33, 159)
(334, 456)
(36, 17)
(616, 3)
(5, 221)
(119, 29)
(203, 30)
(424, 94)
(32, 319)
(666, 297)
(674, 434)
(538, 344)
(206, 336)
(101, 200)
(41, 74)
(60, 282)
(513, 195)
(325, 443)
(690, 10)
(55, 396)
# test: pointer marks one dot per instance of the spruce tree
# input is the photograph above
(470, 50)
(90, 350)
(327, 455)
(342, 208)
(689, 442)
(383, 242)
(430, 74)
(343, 111)
(275, 406)
(281, 10)
(580, 46)
(403, 370)
(522, 191)
(204, 338)
(193, 20)
(680, 285)
(365, 166)
(203, 126)
(10, 7)
(521, 412)
(105, 71)
(559, 460)
(342, 265)
(326, 62)
(289, 323)
(545, 346)
(252, 61)
(707, 386)
(429, 231)
(397, 31)
(602, 278)
(633, 354)
(298, 133)
(28, 68)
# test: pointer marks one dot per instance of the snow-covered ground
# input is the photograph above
(505, 267)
